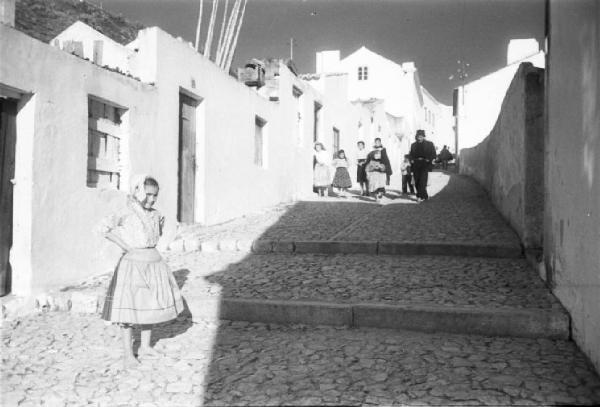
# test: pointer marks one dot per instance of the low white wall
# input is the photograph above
(572, 223)
(479, 102)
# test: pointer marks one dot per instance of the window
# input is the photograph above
(259, 142)
(425, 114)
(104, 144)
(363, 73)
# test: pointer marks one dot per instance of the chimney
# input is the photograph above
(520, 49)
(7, 12)
(409, 67)
(328, 61)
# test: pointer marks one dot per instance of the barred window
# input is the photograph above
(104, 143)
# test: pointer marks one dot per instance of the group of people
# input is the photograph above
(373, 169)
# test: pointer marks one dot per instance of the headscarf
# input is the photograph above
(137, 185)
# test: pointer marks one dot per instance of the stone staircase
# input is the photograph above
(449, 265)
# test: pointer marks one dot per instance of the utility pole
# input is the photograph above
(292, 48)
(460, 76)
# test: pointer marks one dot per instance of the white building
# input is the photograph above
(406, 103)
(84, 113)
(478, 102)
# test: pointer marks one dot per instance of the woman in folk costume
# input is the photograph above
(361, 173)
(341, 179)
(376, 173)
(321, 176)
(143, 290)
(377, 146)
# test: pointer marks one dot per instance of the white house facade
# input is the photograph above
(407, 104)
(85, 113)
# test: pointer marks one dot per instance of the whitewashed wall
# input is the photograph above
(55, 211)
(479, 102)
(572, 215)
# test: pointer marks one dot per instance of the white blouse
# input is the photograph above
(322, 157)
(136, 226)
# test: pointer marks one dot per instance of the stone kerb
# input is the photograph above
(508, 163)
(436, 248)
(530, 323)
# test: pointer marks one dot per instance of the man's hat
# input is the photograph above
(420, 132)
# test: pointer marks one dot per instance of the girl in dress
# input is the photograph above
(361, 174)
(321, 177)
(376, 173)
(341, 179)
(142, 291)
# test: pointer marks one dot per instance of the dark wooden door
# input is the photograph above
(187, 158)
(8, 115)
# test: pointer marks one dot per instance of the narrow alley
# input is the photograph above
(329, 302)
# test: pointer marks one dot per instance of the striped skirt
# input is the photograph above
(142, 290)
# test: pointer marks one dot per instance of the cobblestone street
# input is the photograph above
(60, 358)
(459, 211)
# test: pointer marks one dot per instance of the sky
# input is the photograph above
(434, 34)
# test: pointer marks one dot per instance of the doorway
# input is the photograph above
(187, 159)
(336, 141)
(8, 116)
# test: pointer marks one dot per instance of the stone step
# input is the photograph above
(435, 248)
(506, 322)
(485, 296)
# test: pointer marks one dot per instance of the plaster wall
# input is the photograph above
(508, 163)
(480, 102)
(386, 80)
(55, 211)
(438, 126)
(572, 222)
(225, 134)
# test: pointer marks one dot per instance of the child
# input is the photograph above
(376, 173)
(361, 174)
(341, 178)
(406, 176)
(321, 178)
(142, 291)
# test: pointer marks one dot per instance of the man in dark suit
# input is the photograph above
(422, 154)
